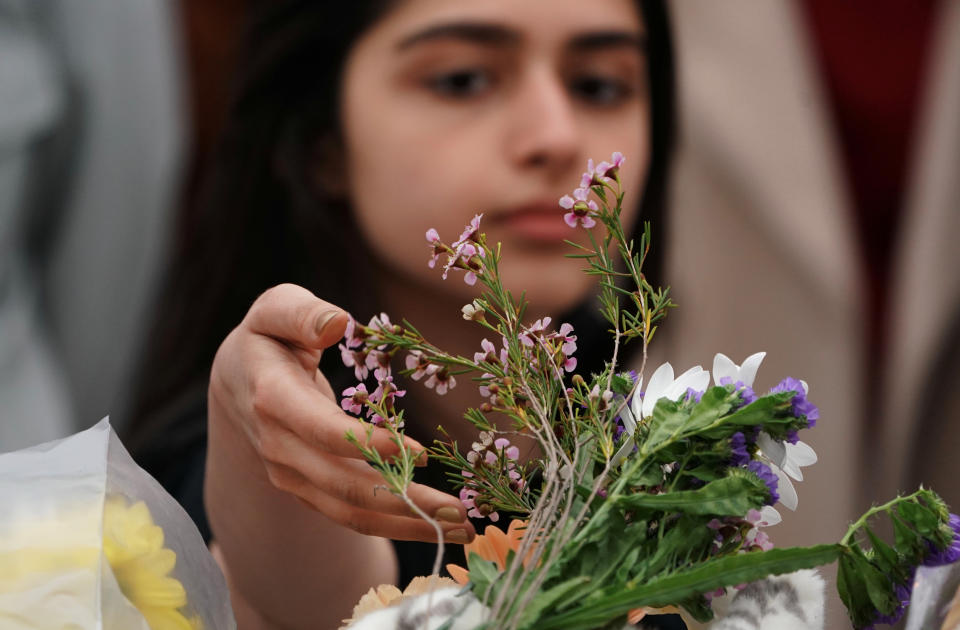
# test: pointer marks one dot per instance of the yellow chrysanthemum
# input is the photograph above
(133, 546)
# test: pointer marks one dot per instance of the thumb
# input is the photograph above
(294, 315)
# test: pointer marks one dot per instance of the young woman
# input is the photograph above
(357, 127)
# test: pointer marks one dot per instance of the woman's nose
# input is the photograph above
(543, 130)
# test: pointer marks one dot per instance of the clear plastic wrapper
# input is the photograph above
(90, 541)
(934, 591)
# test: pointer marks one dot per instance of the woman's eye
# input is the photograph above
(598, 90)
(460, 83)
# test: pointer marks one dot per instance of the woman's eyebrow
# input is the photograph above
(500, 35)
(599, 40)
(476, 32)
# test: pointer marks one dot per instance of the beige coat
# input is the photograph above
(762, 254)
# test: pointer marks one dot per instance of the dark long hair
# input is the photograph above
(264, 218)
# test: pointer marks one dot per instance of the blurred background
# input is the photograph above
(814, 211)
(108, 114)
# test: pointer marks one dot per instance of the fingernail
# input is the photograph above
(325, 319)
(458, 536)
(448, 515)
(421, 459)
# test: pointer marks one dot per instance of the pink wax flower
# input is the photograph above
(582, 210)
(354, 398)
(417, 362)
(356, 359)
(440, 379)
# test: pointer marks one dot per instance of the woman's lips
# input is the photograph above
(540, 222)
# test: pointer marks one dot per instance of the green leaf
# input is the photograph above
(853, 592)
(627, 564)
(924, 520)
(483, 574)
(687, 537)
(545, 599)
(698, 607)
(878, 586)
(763, 411)
(621, 385)
(886, 557)
(907, 541)
(667, 421)
(714, 403)
(704, 473)
(730, 496)
(649, 475)
(683, 584)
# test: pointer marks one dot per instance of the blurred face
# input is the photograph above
(456, 107)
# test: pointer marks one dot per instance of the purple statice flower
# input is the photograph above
(738, 450)
(799, 405)
(767, 476)
(693, 395)
(951, 553)
(747, 395)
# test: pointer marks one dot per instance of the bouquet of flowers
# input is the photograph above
(647, 493)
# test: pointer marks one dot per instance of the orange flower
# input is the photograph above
(493, 545)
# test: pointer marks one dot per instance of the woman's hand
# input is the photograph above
(266, 389)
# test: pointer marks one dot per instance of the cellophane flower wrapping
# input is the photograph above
(90, 541)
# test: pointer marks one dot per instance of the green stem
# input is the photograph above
(852, 530)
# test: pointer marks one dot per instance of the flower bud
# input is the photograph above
(473, 312)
